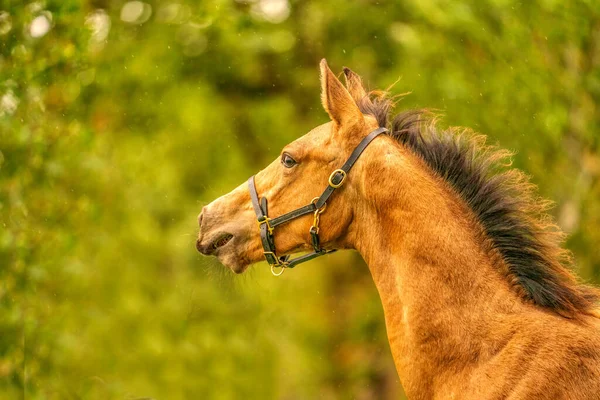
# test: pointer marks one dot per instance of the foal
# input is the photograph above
(478, 298)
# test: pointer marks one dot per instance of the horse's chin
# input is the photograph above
(239, 268)
(233, 262)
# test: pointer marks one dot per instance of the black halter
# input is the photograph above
(316, 207)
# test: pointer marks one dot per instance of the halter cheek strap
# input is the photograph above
(316, 207)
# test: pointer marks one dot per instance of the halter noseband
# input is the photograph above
(316, 207)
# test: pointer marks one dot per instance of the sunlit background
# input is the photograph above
(120, 120)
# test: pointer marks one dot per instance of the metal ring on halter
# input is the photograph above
(273, 270)
(319, 210)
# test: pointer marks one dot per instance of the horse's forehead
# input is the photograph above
(319, 136)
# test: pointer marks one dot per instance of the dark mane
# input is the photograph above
(513, 218)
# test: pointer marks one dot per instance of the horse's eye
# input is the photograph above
(287, 160)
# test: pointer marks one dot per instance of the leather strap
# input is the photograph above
(261, 210)
(336, 179)
(314, 238)
(287, 217)
(307, 257)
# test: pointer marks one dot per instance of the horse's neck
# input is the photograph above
(440, 292)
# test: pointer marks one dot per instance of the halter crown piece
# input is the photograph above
(316, 207)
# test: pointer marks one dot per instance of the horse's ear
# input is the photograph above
(336, 100)
(354, 85)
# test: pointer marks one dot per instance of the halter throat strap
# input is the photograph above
(316, 207)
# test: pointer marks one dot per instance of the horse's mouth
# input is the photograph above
(211, 248)
(221, 241)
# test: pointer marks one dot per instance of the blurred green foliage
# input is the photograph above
(119, 120)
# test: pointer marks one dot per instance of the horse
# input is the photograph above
(479, 297)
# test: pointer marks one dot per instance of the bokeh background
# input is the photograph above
(120, 120)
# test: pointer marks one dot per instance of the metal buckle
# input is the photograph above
(266, 220)
(337, 185)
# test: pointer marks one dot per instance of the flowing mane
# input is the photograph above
(503, 200)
